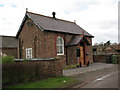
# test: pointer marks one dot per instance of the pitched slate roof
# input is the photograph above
(8, 42)
(47, 23)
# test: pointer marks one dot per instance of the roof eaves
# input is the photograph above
(6, 36)
(85, 31)
(60, 32)
(50, 30)
(72, 45)
(8, 47)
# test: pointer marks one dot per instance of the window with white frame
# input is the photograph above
(60, 45)
(28, 53)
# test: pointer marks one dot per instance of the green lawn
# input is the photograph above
(58, 82)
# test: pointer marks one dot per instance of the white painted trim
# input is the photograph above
(62, 45)
(27, 49)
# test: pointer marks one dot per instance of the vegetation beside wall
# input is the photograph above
(115, 59)
(71, 66)
(8, 59)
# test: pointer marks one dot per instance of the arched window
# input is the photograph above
(60, 46)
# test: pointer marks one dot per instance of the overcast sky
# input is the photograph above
(98, 17)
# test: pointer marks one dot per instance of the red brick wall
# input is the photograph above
(52, 67)
(34, 70)
(89, 50)
(100, 58)
(50, 43)
(27, 36)
(71, 55)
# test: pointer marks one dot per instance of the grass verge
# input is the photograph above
(59, 82)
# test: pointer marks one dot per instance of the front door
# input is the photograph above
(82, 55)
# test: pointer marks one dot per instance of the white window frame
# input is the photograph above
(28, 53)
(59, 45)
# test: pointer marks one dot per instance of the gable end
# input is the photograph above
(23, 22)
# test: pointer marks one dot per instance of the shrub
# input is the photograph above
(114, 59)
(8, 59)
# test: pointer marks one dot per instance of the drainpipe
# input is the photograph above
(66, 50)
(66, 57)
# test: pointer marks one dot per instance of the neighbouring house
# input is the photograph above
(42, 36)
(106, 49)
(8, 46)
(104, 52)
(112, 49)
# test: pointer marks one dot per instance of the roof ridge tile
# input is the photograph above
(51, 17)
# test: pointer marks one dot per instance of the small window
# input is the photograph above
(60, 46)
(28, 53)
(78, 52)
(29, 24)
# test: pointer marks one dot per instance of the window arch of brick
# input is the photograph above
(60, 45)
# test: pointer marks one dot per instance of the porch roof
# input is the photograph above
(76, 40)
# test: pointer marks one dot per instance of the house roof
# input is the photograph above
(8, 42)
(116, 46)
(75, 40)
(47, 23)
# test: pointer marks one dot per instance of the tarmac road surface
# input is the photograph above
(106, 77)
(107, 81)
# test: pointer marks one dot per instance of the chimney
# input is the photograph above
(26, 9)
(53, 13)
(75, 21)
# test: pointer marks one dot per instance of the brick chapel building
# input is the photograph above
(42, 36)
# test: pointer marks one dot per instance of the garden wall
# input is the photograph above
(106, 58)
(99, 58)
(31, 70)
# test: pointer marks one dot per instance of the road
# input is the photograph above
(107, 81)
(103, 78)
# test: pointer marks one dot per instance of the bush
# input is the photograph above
(114, 59)
(8, 59)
